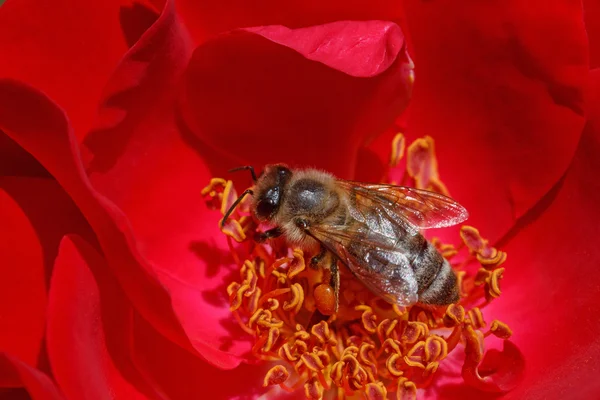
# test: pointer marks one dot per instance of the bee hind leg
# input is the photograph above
(316, 260)
(335, 281)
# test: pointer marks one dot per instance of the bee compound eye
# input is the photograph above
(265, 207)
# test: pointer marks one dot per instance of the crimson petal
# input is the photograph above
(152, 168)
(550, 288)
(591, 12)
(67, 49)
(499, 85)
(373, 46)
(258, 99)
(49, 138)
(207, 18)
(37, 384)
(182, 376)
(146, 166)
(23, 284)
(78, 339)
(29, 238)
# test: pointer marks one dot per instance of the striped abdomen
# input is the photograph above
(435, 277)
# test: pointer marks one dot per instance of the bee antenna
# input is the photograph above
(244, 168)
(234, 205)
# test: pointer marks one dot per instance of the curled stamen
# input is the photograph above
(376, 391)
(455, 315)
(407, 390)
(500, 329)
(276, 376)
(323, 334)
(313, 389)
(362, 347)
(368, 318)
(297, 299)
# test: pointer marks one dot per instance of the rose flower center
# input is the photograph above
(368, 347)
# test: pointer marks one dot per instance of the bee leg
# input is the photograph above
(316, 260)
(260, 237)
(335, 280)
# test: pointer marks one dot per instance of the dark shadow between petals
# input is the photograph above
(135, 20)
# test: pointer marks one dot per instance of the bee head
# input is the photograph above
(269, 191)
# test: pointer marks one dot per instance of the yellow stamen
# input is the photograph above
(398, 145)
(407, 390)
(276, 376)
(376, 391)
(500, 329)
(368, 348)
(313, 389)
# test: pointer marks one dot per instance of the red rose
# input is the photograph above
(114, 116)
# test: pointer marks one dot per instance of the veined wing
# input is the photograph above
(371, 250)
(411, 208)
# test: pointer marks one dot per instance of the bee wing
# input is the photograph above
(411, 208)
(370, 251)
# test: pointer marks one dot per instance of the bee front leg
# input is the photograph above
(261, 237)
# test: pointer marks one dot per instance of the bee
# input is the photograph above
(373, 229)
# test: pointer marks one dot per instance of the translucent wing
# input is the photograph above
(375, 252)
(376, 239)
(414, 209)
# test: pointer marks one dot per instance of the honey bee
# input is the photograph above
(373, 229)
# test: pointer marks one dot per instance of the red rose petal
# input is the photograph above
(180, 375)
(550, 287)
(499, 86)
(144, 165)
(29, 238)
(15, 161)
(67, 49)
(84, 302)
(152, 169)
(305, 113)
(38, 385)
(50, 140)
(591, 13)
(504, 368)
(22, 287)
(358, 49)
(207, 18)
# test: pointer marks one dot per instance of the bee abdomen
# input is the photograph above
(435, 277)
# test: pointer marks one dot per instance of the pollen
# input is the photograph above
(367, 348)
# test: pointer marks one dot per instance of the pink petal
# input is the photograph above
(207, 18)
(357, 49)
